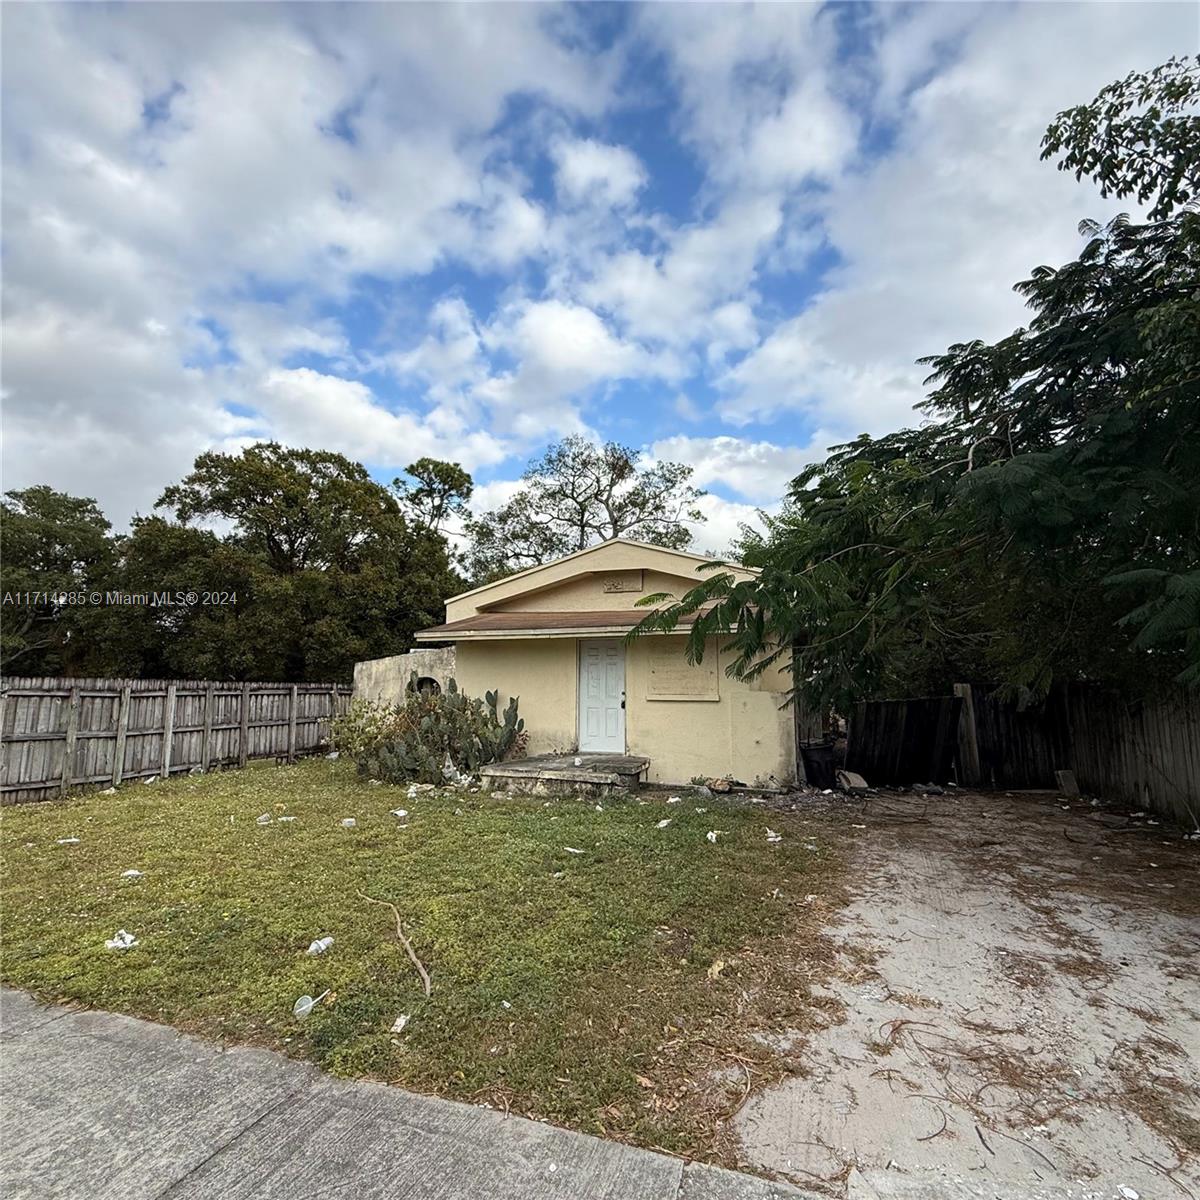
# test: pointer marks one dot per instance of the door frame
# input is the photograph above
(579, 646)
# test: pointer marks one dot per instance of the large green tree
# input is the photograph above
(53, 548)
(312, 564)
(1045, 524)
(580, 493)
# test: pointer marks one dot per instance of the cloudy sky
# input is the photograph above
(718, 233)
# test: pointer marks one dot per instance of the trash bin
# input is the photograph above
(819, 763)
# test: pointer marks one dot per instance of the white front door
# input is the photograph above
(602, 696)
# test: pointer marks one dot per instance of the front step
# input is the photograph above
(557, 774)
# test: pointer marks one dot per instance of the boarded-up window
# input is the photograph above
(672, 677)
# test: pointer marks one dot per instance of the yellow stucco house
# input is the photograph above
(554, 635)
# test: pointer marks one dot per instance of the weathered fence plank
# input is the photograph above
(904, 741)
(56, 734)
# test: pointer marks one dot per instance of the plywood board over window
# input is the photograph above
(671, 677)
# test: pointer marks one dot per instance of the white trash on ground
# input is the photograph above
(673, 800)
(131, 874)
(399, 1023)
(152, 779)
(108, 791)
(663, 823)
(265, 819)
(285, 818)
(306, 1004)
(68, 841)
(320, 945)
(772, 836)
(122, 941)
(334, 756)
(348, 822)
(713, 834)
(572, 850)
(399, 812)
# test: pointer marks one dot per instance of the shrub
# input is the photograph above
(410, 741)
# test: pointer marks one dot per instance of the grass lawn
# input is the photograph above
(612, 991)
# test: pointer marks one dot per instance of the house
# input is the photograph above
(555, 636)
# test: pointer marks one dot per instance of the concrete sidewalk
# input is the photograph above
(99, 1105)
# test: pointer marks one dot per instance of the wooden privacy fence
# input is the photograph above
(57, 734)
(904, 741)
(1144, 753)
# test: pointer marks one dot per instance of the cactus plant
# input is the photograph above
(410, 741)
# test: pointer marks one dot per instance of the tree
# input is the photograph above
(1140, 137)
(330, 570)
(578, 494)
(1046, 523)
(53, 546)
(441, 491)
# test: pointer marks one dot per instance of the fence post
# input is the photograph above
(970, 770)
(244, 731)
(291, 749)
(206, 739)
(122, 729)
(69, 744)
(168, 733)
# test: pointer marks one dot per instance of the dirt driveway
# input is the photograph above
(1021, 982)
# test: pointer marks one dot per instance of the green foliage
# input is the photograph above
(317, 563)
(441, 490)
(1140, 137)
(411, 741)
(578, 494)
(1044, 524)
(49, 543)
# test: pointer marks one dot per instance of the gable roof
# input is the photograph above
(530, 573)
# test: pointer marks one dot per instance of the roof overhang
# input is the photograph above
(503, 626)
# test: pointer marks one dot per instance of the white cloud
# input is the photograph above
(932, 236)
(759, 471)
(593, 172)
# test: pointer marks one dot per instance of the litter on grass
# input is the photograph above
(152, 779)
(572, 850)
(68, 841)
(702, 810)
(109, 791)
(265, 819)
(664, 823)
(505, 1004)
(399, 812)
(673, 800)
(122, 941)
(713, 834)
(286, 818)
(772, 836)
(306, 1004)
(399, 1023)
(332, 757)
(131, 874)
(348, 822)
(320, 945)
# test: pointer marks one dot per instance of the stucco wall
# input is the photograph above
(383, 680)
(740, 733)
(584, 574)
(542, 672)
(594, 593)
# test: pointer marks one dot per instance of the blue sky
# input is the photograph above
(719, 233)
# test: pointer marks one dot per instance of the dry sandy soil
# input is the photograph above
(1022, 1010)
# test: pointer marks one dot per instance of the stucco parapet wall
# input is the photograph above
(384, 680)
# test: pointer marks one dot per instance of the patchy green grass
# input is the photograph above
(586, 989)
